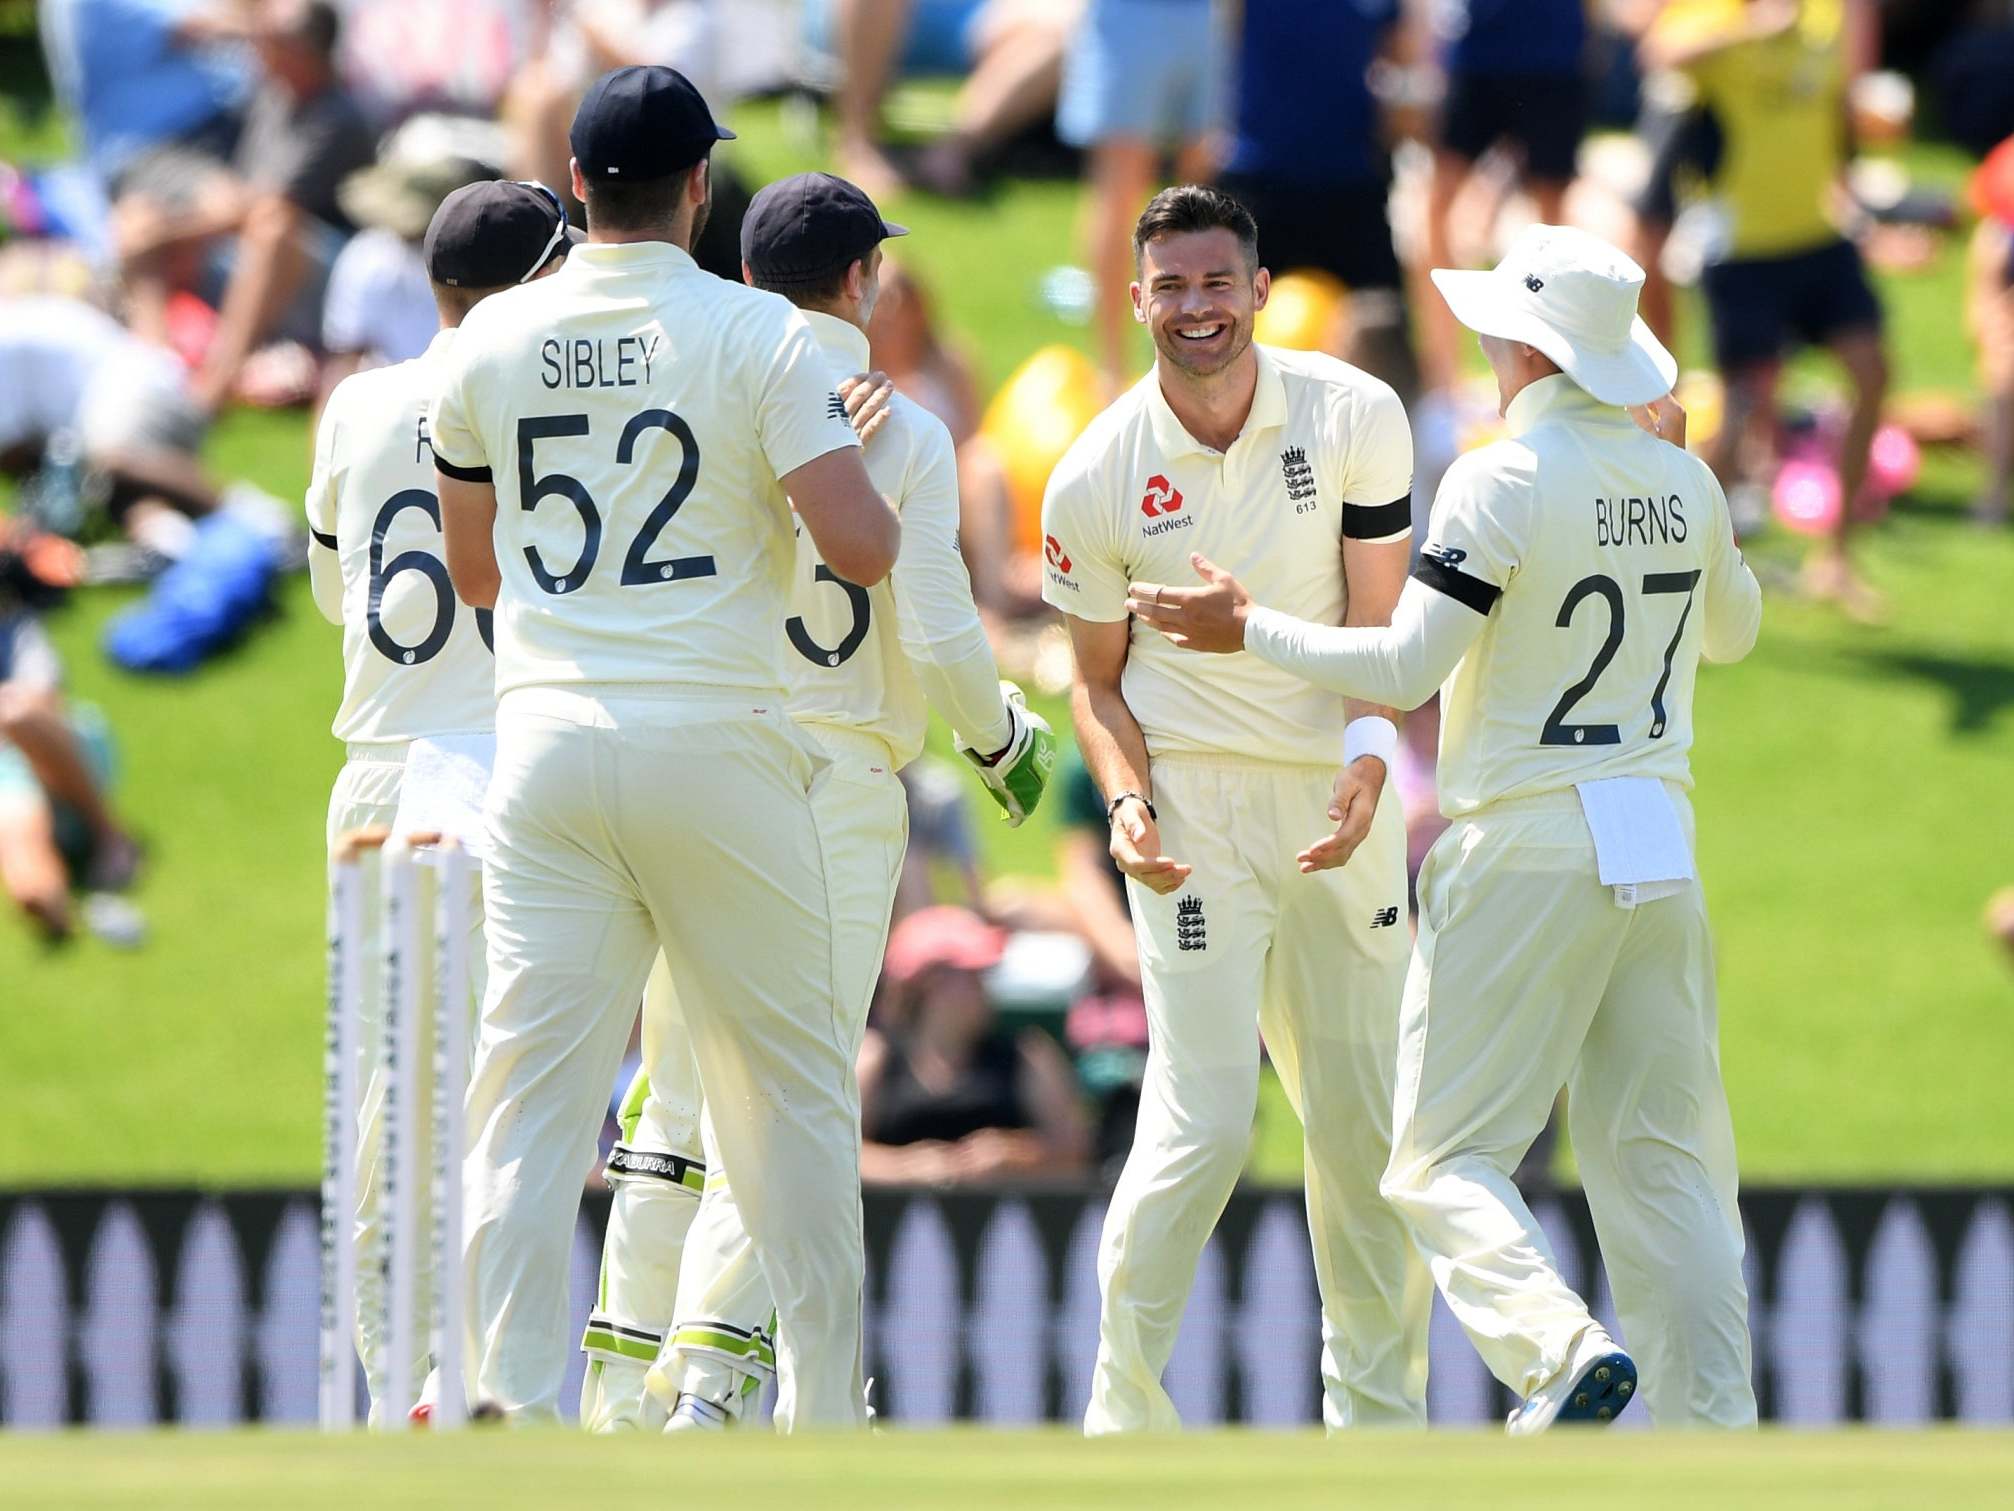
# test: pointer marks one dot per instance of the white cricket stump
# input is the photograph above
(338, 1399)
(451, 1068)
(422, 971)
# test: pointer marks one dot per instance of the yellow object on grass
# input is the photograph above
(1031, 422)
(1703, 397)
(1307, 312)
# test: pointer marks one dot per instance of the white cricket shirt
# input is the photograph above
(874, 658)
(415, 659)
(635, 414)
(1574, 576)
(1326, 452)
(1605, 560)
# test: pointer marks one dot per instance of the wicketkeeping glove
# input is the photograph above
(1016, 777)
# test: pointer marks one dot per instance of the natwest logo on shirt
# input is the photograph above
(1059, 564)
(1163, 505)
(1162, 497)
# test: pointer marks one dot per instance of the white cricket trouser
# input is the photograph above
(723, 1345)
(1527, 977)
(366, 793)
(1317, 963)
(623, 821)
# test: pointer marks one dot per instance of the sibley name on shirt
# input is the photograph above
(577, 362)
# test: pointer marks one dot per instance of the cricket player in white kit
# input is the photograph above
(864, 667)
(416, 664)
(616, 444)
(1577, 572)
(1299, 467)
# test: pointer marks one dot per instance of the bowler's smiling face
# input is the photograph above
(1197, 295)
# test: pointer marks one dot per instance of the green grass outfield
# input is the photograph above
(982, 1471)
(1855, 810)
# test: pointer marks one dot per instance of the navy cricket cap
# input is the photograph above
(805, 227)
(642, 123)
(491, 234)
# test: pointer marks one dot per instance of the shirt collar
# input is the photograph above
(841, 340)
(1554, 394)
(1269, 409)
(622, 255)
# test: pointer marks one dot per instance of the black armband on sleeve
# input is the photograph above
(1377, 521)
(321, 539)
(447, 468)
(1443, 575)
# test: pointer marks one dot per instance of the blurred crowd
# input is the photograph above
(241, 225)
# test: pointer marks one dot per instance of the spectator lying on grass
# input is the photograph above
(55, 821)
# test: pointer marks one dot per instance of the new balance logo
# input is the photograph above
(835, 407)
(1450, 557)
(1534, 283)
(1189, 927)
(1299, 475)
(1384, 918)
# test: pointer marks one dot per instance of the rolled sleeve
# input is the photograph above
(324, 484)
(1477, 533)
(799, 414)
(321, 499)
(1082, 573)
(1733, 616)
(458, 449)
(1377, 483)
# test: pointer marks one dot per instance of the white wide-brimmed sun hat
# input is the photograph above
(1573, 296)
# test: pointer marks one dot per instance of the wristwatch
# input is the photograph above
(1112, 808)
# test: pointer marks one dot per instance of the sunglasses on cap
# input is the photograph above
(558, 232)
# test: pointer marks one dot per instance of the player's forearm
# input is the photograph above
(938, 623)
(1373, 596)
(468, 521)
(1399, 665)
(963, 685)
(857, 534)
(1110, 740)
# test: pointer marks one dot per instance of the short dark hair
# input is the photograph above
(820, 288)
(453, 298)
(1195, 207)
(639, 204)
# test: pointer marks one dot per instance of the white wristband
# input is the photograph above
(1371, 735)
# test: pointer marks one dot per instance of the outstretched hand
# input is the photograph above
(1209, 618)
(1359, 785)
(1136, 850)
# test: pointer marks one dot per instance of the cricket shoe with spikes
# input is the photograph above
(695, 1414)
(1598, 1382)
